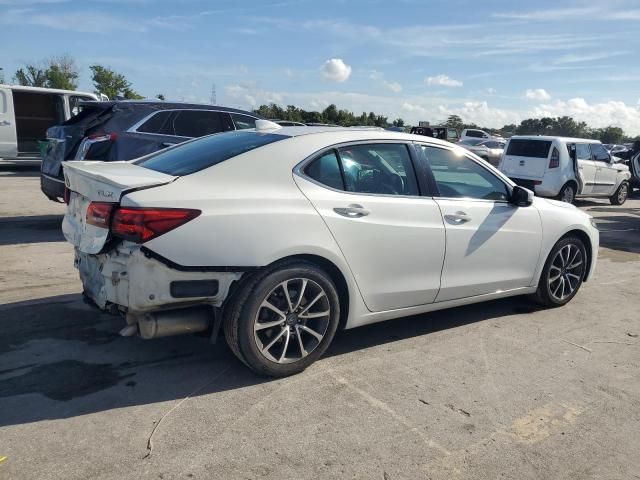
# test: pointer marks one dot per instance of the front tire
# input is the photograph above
(283, 319)
(563, 273)
(621, 195)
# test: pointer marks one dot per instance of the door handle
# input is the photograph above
(457, 218)
(4, 123)
(352, 211)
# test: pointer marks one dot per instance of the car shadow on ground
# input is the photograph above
(72, 358)
(16, 170)
(31, 229)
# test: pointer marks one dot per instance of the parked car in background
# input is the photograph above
(565, 168)
(124, 130)
(470, 133)
(436, 131)
(620, 151)
(27, 112)
(489, 150)
(337, 228)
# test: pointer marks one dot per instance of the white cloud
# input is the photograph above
(491, 91)
(597, 115)
(250, 96)
(537, 94)
(443, 80)
(336, 70)
(393, 86)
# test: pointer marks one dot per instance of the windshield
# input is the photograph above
(205, 152)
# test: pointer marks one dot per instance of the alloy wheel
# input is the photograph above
(567, 195)
(566, 272)
(292, 320)
(623, 191)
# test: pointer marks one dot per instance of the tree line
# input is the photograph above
(62, 72)
(331, 115)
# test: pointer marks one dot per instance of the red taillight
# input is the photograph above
(99, 214)
(554, 162)
(103, 137)
(142, 224)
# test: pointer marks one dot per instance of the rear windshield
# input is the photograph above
(207, 151)
(529, 148)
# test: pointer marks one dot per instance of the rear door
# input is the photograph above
(8, 138)
(392, 238)
(492, 245)
(526, 158)
(586, 167)
(606, 174)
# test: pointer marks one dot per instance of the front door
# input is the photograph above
(492, 245)
(8, 138)
(392, 238)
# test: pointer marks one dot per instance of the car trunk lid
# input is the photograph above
(526, 158)
(102, 184)
(63, 140)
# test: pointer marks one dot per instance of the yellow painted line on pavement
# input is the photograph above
(2, 459)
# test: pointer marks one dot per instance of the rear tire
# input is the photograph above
(567, 193)
(621, 195)
(283, 319)
(563, 273)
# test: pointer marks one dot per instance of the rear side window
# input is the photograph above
(529, 148)
(583, 152)
(474, 133)
(243, 121)
(197, 123)
(384, 169)
(199, 154)
(326, 170)
(158, 123)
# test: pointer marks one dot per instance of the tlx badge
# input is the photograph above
(105, 194)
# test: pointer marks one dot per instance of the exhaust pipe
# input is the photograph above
(174, 322)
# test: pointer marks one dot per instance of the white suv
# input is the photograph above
(469, 133)
(565, 168)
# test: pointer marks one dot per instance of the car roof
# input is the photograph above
(162, 105)
(355, 133)
(552, 137)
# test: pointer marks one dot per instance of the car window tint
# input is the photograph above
(522, 147)
(474, 133)
(458, 176)
(491, 144)
(243, 121)
(196, 123)
(158, 123)
(600, 153)
(378, 168)
(583, 152)
(326, 170)
(196, 155)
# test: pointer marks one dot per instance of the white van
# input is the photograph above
(27, 112)
(565, 168)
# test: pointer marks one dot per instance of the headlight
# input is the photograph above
(594, 224)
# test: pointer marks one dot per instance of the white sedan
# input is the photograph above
(281, 236)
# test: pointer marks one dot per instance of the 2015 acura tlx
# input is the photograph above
(282, 236)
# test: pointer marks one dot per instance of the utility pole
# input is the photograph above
(212, 100)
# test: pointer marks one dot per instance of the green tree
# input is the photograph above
(398, 122)
(112, 84)
(454, 121)
(609, 134)
(160, 96)
(55, 72)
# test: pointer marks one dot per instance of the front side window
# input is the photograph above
(457, 176)
(475, 133)
(600, 153)
(243, 121)
(384, 169)
(197, 123)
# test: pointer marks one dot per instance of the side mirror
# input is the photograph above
(521, 197)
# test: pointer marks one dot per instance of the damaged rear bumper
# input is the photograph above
(134, 283)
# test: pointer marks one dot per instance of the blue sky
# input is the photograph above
(492, 62)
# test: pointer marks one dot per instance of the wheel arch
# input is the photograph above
(587, 245)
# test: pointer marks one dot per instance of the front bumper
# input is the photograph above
(127, 279)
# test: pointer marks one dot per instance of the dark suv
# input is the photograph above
(125, 130)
